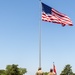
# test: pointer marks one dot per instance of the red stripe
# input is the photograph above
(56, 18)
(63, 18)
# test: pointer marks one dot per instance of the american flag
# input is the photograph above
(49, 14)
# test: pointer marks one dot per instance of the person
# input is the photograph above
(51, 72)
(39, 72)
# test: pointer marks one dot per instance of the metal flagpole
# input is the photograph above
(40, 38)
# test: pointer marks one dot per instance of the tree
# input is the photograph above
(46, 73)
(2, 72)
(14, 70)
(67, 70)
(22, 71)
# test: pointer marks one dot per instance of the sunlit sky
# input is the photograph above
(19, 36)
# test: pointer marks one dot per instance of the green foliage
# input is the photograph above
(2, 72)
(13, 70)
(22, 71)
(73, 73)
(67, 70)
(46, 73)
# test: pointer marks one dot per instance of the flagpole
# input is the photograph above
(40, 38)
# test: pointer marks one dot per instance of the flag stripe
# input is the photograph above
(49, 14)
(61, 16)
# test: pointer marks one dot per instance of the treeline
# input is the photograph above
(13, 70)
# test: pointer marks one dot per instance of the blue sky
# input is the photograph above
(19, 36)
